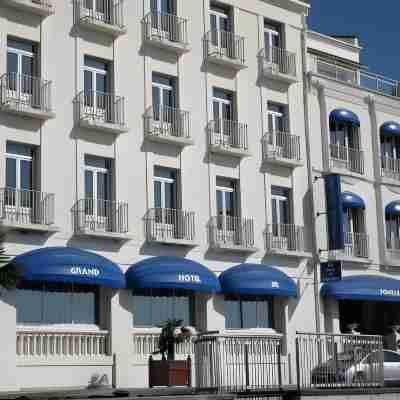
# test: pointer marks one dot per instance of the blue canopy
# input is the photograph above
(171, 273)
(257, 279)
(363, 287)
(390, 129)
(68, 265)
(343, 115)
(393, 208)
(351, 200)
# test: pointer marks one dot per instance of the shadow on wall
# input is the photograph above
(20, 123)
(225, 256)
(95, 244)
(28, 238)
(159, 249)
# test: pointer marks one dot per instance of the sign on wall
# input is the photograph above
(331, 271)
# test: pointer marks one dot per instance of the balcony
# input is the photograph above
(108, 20)
(166, 31)
(170, 226)
(43, 8)
(25, 95)
(354, 76)
(356, 248)
(168, 125)
(390, 168)
(228, 138)
(393, 250)
(286, 239)
(346, 158)
(101, 219)
(232, 233)
(27, 210)
(281, 148)
(101, 111)
(224, 48)
(278, 64)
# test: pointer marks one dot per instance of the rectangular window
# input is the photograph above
(165, 188)
(19, 168)
(151, 308)
(165, 97)
(246, 312)
(96, 85)
(56, 304)
(272, 35)
(277, 118)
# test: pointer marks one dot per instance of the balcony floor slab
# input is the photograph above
(165, 44)
(269, 72)
(107, 127)
(104, 235)
(101, 26)
(224, 61)
(285, 162)
(290, 253)
(349, 259)
(229, 151)
(224, 247)
(13, 107)
(175, 140)
(30, 6)
(16, 226)
(172, 241)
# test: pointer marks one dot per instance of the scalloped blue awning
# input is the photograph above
(393, 208)
(363, 287)
(390, 128)
(351, 200)
(257, 279)
(172, 273)
(68, 265)
(343, 115)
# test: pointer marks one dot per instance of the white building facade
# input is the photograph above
(171, 138)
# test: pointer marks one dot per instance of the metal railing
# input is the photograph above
(52, 344)
(163, 26)
(101, 107)
(111, 12)
(390, 167)
(356, 244)
(276, 145)
(25, 91)
(393, 246)
(286, 237)
(163, 224)
(26, 207)
(338, 361)
(224, 44)
(145, 343)
(97, 215)
(355, 76)
(231, 231)
(279, 59)
(228, 133)
(167, 122)
(238, 363)
(347, 158)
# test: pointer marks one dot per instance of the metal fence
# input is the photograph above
(281, 145)
(231, 231)
(224, 44)
(285, 237)
(167, 122)
(228, 133)
(280, 60)
(97, 215)
(390, 167)
(163, 224)
(337, 361)
(236, 363)
(25, 91)
(26, 207)
(347, 158)
(101, 107)
(106, 11)
(163, 26)
(356, 244)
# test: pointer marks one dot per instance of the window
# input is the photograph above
(391, 357)
(97, 185)
(162, 6)
(280, 210)
(392, 232)
(151, 308)
(222, 102)
(246, 312)
(164, 97)
(221, 28)
(55, 303)
(165, 188)
(96, 85)
(390, 150)
(272, 36)
(226, 191)
(277, 118)
(354, 220)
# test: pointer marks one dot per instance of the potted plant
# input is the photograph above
(168, 371)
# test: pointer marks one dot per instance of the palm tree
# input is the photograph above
(8, 276)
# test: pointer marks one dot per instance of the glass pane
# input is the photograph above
(57, 306)
(284, 212)
(274, 212)
(227, 112)
(224, 24)
(229, 204)
(161, 310)
(181, 309)
(88, 81)
(27, 65)
(102, 186)
(83, 308)
(157, 195)
(232, 314)
(11, 173)
(167, 98)
(29, 306)
(142, 311)
(170, 195)
(95, 63)
(88, 184)
(156, 102)
(101, 83)
(216, 113)
(88, 4)
(249, 314)
(213, 22)
(100, 6)
(154, 5)
(20, 45)
(12, 62)
(220, 204)
(26, 174)
(264, 314)
(166, 6)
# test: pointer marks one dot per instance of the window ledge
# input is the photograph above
(230, 151)
(10, 225)
(164, 43)
(217, 58)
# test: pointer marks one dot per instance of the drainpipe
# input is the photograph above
(314, 246)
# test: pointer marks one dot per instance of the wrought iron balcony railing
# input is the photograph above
(224, 44)
(356, 244)
(286, 237)
(228, 134)
(279, 60)
(281, 145)
(344, 157)
(390, 168)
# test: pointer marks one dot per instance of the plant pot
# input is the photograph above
(169, 372)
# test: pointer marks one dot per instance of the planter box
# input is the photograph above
(169, 373)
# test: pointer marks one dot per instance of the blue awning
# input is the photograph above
(257, 279)
(68, 265)
(343, 115)
(351, 200)
(393, 208)
(172, 273)
(390, 129)
(363, 287)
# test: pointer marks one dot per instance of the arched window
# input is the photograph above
(392, 216)
(390, 149)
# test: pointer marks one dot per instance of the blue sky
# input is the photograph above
(377, 26)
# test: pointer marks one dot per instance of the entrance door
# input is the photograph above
(282, 235)
(161, 22)
(220, 25)
(21, 70)
(163, 103)
(224, 129)
(229, 229)
(98, 205)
